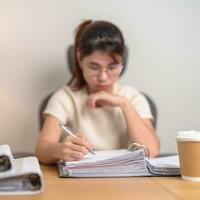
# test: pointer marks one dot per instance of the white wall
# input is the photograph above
(163, 40)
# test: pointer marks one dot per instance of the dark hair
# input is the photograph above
(91, 36)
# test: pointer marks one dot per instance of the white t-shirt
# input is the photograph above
(105, 127)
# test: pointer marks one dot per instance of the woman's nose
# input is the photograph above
(102, 76)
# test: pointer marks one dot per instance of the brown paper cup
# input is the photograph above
(189, 158)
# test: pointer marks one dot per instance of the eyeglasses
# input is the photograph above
(111, 70)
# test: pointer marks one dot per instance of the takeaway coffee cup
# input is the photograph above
(188, 143)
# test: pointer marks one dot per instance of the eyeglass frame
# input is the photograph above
(111, 70)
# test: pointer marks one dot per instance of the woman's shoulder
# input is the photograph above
(61, 104)
(62, 94)
(66, 92)
(138, 100)
(127, 90)
(131, 93)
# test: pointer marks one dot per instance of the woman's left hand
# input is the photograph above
(135, 124)
(104, 98)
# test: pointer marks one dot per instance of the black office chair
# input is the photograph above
(153, 109)
(71, 62)
(42, 108)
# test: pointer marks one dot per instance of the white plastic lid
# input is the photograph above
(188, 135)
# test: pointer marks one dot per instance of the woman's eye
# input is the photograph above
(93, 67)
(112, 66)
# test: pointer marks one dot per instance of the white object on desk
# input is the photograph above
(25, 177)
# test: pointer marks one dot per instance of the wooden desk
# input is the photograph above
(111, 188)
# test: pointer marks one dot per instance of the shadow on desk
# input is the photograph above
(26, 154)
(22, 154)
(167, 154)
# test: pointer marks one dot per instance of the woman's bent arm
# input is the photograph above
(140, 130)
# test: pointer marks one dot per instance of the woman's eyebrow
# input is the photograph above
(97, 64)
(112, 63)
(94, 63)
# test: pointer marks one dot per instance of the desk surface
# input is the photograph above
(132, 188)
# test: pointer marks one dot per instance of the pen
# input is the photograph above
(68, 131)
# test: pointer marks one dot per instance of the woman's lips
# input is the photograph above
(103, 87)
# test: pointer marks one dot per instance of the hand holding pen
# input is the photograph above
(76, 146)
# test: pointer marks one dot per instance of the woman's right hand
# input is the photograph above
(74, 148)
(49, 150)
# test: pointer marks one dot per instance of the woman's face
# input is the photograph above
(100, 71)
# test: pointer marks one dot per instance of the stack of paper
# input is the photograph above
(165, 166)
(117, 163)
(106, 164)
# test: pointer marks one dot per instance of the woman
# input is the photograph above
(103, 114)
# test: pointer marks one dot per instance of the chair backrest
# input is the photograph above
(153, 109)
(41, 109)
(71, 62)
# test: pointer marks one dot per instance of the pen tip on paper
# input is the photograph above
(92, 152)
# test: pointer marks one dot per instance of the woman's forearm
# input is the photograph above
(139, 130)
(47, 152)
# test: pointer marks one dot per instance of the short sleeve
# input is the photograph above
(141, 105)
(138, 101)
(59, 106)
